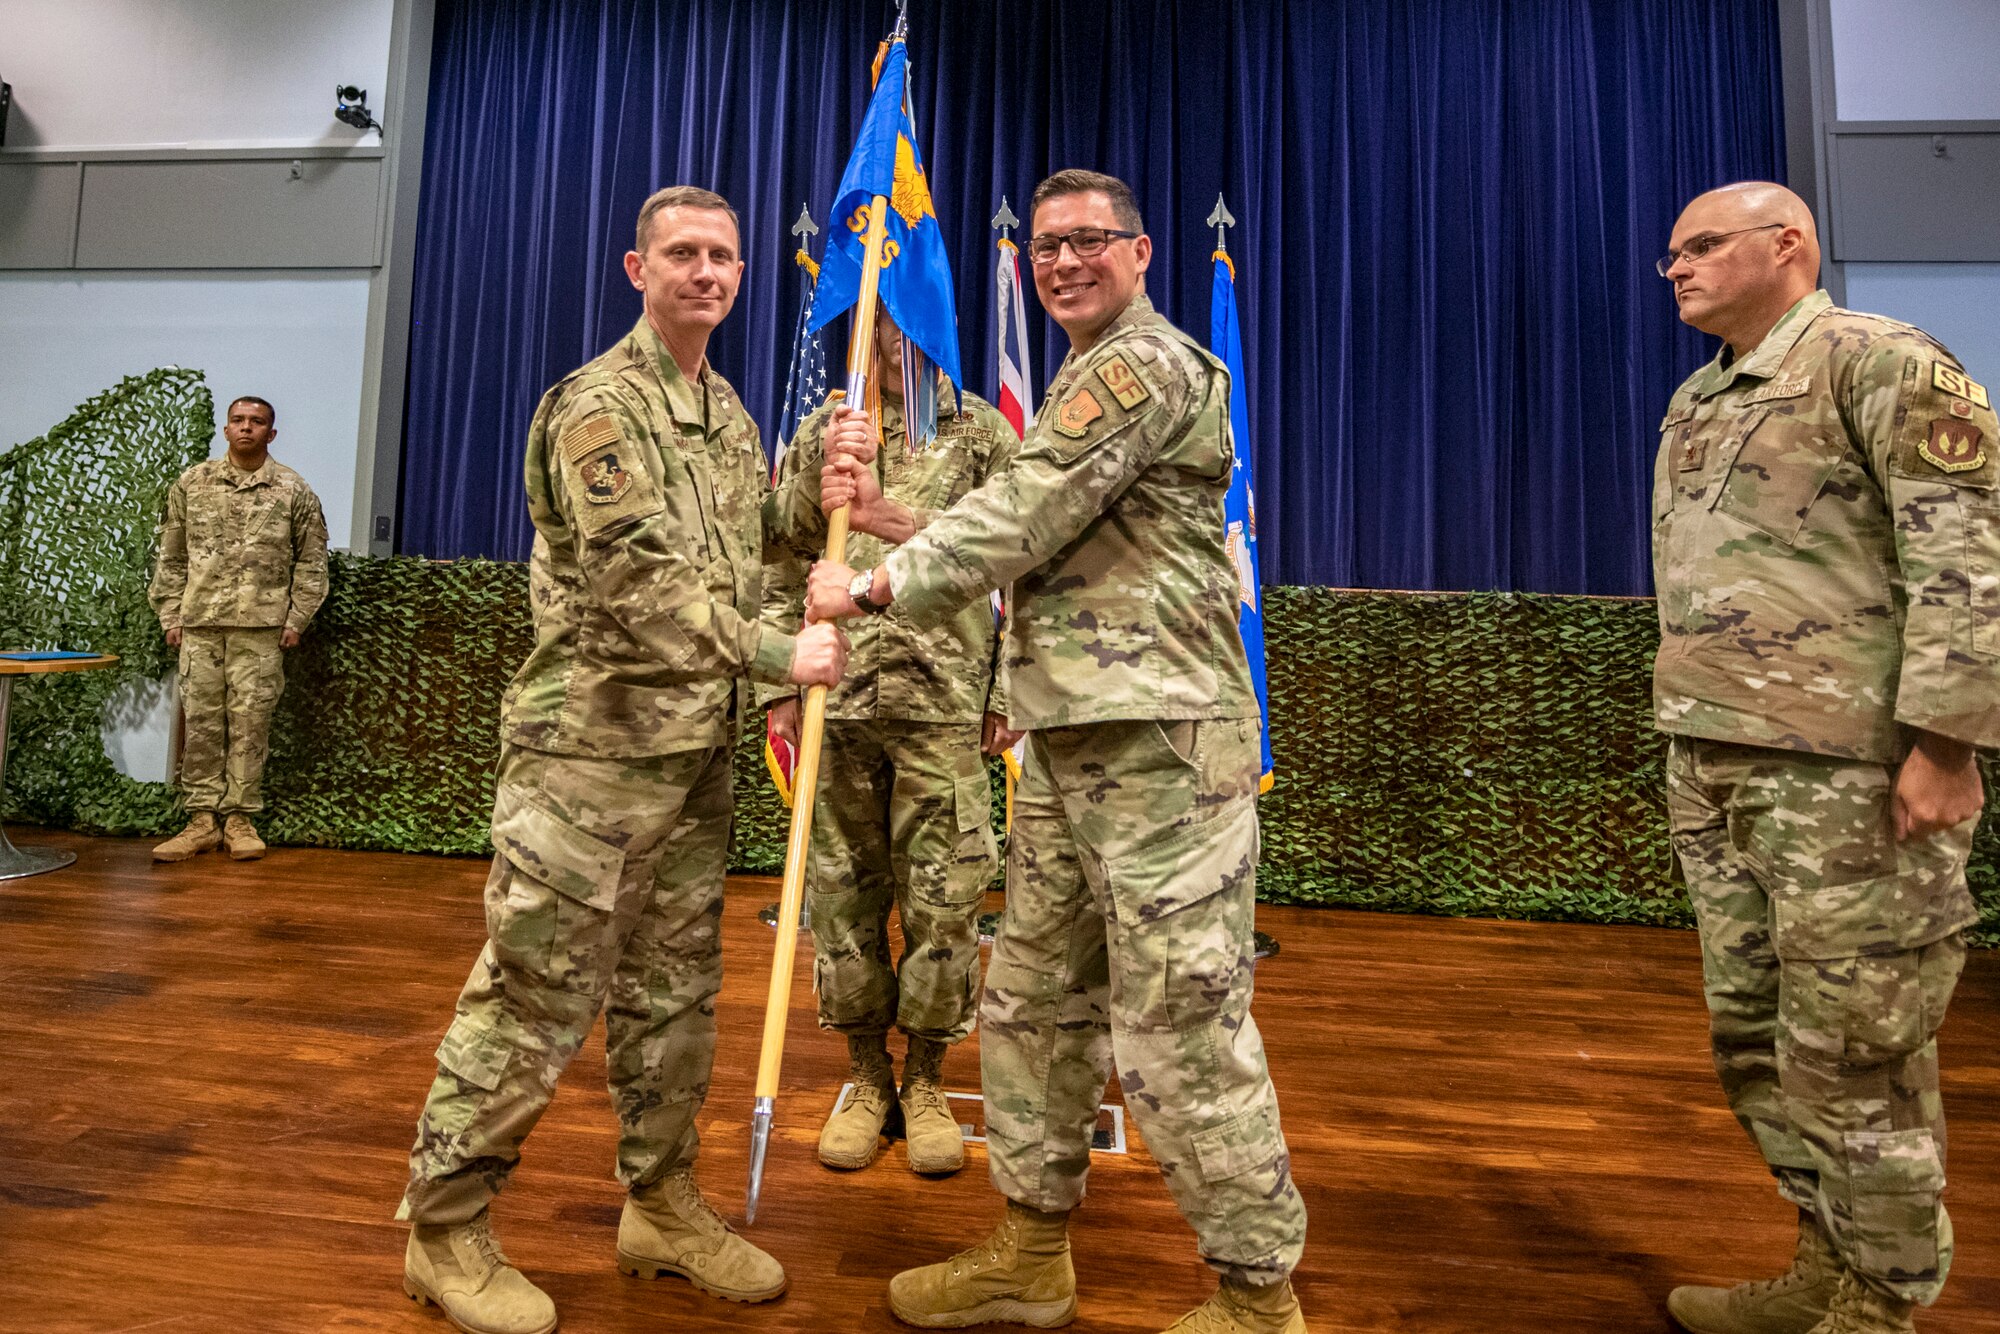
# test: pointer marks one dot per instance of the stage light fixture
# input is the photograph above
(351, 108)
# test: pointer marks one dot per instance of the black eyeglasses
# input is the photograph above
(1083, 242)
(1701, 245)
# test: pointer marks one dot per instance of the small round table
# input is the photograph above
(17, 862)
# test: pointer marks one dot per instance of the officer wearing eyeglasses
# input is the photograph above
(1826, 546)
(1132, 867)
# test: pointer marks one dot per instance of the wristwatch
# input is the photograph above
(859, 587)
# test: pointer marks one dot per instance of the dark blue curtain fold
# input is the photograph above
(1457, 347)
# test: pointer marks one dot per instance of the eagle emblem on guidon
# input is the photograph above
(603, 480)
(1953, 446)
(911, 194)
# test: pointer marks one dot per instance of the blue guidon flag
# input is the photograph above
(915, 279)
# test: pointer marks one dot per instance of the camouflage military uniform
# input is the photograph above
(242, 559)
(904, 812)
(611, 815)
(1131, 875)
(1826, 541)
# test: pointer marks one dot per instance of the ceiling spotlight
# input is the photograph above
(351, 108)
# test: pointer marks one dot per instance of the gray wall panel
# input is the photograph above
(38, 204)
(1897, 199)
(222, 215)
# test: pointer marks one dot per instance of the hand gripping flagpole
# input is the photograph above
(812, 731)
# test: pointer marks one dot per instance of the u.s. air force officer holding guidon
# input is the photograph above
(1826, 544)
(611, 818)
(1132, 868)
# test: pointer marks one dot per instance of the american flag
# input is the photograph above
(805, 390)
(805, 383)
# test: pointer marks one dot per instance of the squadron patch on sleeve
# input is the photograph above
(589, 434)
(1077, 412)
(1959, 384)
(1953, 446)
(1123, 382)
(605, 480)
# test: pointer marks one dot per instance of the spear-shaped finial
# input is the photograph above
(902, 21)
(805, 227)
(1005, 220)
(1221, 220)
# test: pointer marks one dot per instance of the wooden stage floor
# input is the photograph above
(210, 1073)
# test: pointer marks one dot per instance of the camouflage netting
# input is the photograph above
(1472, 754)
(77, 511)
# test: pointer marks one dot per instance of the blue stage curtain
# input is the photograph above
(1458, 349)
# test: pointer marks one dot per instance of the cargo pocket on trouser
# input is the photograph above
(549, 910)
(1899, 1235)
(1188, 1055)
(938, 980)
(1252, 1218)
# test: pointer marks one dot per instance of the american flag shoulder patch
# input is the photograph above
(588, 434)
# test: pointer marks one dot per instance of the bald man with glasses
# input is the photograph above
(1826, 547)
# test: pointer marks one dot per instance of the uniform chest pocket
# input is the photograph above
(1776, 473)
(207, 515)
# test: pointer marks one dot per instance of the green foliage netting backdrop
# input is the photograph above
(78, 509)
(1484, 753)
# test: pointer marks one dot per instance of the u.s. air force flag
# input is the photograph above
(1225, 340)
(915, 279)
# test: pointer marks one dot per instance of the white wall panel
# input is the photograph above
(201, 73)
(1954, 303)
(296, 339)
(1916, 59)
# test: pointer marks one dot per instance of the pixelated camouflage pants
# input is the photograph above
(904, 816)
(605, 894)
(1829, 954)
(1131, 889)
(230, 682)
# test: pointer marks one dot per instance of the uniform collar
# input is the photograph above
(265, 474)
(1138, 311)
(693, 404)
(1764, 360)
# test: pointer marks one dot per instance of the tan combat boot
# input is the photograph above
(199, 836)
(1021, 1275)
(462, 1271)
(668, 1228)
(931, 1131)
(240, 837)
(1859, 1309)
(853, 1134)
(1792, 1303)
(1238, 1308)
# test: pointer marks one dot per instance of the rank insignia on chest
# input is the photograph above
(1954, 446)
(1959, 384)
(1689, 451)
(603, 480)
(1077, 412)
(1123, 382)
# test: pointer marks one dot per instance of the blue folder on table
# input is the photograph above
(44, 655)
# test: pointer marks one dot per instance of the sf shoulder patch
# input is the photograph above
(1077, 412)
(1960, 385)
(1124, 384)
(1954, 445)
